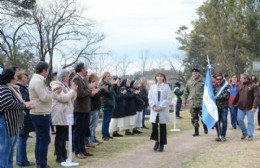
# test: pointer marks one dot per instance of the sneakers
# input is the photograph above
(105, 138)
(249, 138)
(223, 139)
(98, 142)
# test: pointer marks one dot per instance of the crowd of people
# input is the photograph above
(28, 106)
(240, 97)
(32, 105)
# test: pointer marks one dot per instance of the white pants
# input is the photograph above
(138, 119)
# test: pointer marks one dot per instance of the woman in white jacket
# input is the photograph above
(159, 98)
(62, 105)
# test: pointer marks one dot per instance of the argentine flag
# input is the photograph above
(209, 107)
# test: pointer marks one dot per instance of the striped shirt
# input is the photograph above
(12, 110)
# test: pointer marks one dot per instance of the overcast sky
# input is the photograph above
(134, 25)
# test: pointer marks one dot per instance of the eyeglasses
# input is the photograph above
(219, 79)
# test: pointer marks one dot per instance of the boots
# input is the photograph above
(196, 133)
(161, 148)
(205, 129)
(156, 146)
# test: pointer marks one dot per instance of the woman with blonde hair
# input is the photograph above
(144, 95)
(21, 154)
(107, 104)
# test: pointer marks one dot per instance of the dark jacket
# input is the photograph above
(108, 98)
(130, 107)
(144, 95)
(139, 102)
(247, 97)
(96, 100)
(82, 102)
(28, 126)
(119, 111)
(222, 99)
(177, 91)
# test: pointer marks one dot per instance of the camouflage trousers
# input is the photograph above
(195, 114)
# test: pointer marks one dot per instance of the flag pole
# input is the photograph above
(174, 117)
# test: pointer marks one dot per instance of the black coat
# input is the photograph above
(130, 107)
(108, 97)
(119, 111)
(96, 100)
(144, 95)
(28, 126)
(139, 102)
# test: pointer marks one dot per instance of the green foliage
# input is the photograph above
(23, 59)
(18, 8)
(228, 32)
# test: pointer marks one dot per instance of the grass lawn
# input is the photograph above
(114, 147)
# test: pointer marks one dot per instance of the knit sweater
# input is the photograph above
(40, 95)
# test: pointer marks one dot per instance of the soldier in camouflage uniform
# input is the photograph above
(222, 104)
(194, 90)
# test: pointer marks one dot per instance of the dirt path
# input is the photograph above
(180, 148)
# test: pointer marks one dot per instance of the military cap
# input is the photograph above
(195, 70)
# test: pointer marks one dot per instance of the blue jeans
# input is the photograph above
(105, 123)
(6, 146)
(233, 116)
(143, 120)
(21, 154)
(41, 124)
(221, 125)
(250, 121)
(93, 122)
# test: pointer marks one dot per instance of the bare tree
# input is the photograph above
(102, 63)
(125, 62)
(176, 65)
(62, 32)
(14, 49)
(145, 61)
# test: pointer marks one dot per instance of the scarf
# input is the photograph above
(15, 89)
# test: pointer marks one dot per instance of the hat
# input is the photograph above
(195, 70)
(177, 84)
(132, 83)
(55, 85)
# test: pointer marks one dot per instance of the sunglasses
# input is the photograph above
(219, 79)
